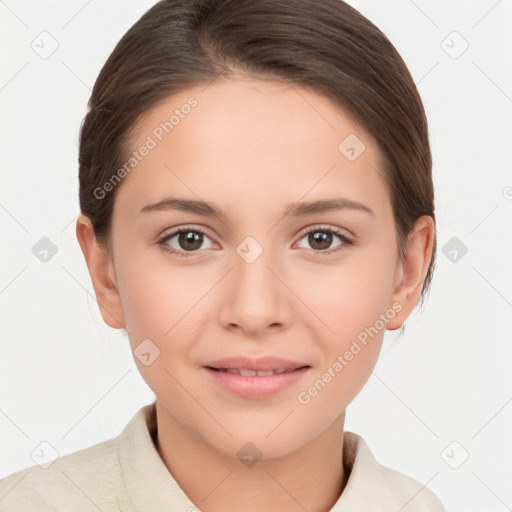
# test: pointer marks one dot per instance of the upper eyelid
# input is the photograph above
(324, 227)
(176, 231)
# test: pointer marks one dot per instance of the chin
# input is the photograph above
(257, 446)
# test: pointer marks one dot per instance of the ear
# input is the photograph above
(102, 273)
(410, 273)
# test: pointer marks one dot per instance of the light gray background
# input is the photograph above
(442, 392)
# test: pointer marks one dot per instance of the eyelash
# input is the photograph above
(346, 241)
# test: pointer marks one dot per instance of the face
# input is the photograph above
(314, 286)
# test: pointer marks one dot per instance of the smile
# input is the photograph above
(255, 384)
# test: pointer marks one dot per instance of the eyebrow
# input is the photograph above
(296, 209)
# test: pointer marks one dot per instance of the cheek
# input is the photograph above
(350, 346)
(154, 294)
(347, 297)
(161, 305)
(336, 385)
(348, 301)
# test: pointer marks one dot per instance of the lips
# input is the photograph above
(255, 384)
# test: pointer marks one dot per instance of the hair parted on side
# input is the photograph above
(326, 46)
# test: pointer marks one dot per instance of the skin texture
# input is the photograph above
(253, 147)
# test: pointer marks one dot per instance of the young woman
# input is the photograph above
(257, 210)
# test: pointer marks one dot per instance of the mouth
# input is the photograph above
(248, 383)
(247, 372)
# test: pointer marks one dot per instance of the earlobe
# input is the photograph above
(102, 274)
(413, 269)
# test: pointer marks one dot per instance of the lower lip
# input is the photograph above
(256, 386)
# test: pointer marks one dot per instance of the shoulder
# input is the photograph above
(379, 487)
(83, 480)
(415, 496)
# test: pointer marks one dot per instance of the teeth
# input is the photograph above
(251, 373)
(248, 373)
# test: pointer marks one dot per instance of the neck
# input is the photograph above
(311, 478)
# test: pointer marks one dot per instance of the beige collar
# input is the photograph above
(370, 486)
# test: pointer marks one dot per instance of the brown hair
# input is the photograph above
(326, 46)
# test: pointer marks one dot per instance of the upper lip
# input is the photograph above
(260, 364)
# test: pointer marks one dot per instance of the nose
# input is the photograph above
(254, 297)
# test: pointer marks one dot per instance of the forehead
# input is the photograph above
(252, 143)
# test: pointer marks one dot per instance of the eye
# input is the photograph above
(188, 240)
(320, 239)
(191, 239)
